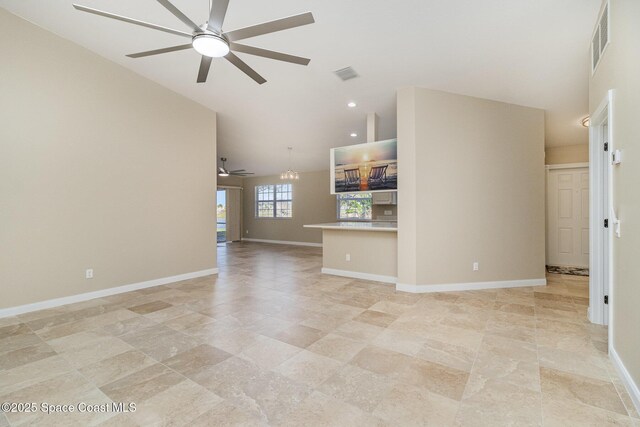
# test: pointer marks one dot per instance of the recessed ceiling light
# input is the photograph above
(353, 135)
(585, 121)
(352, 105)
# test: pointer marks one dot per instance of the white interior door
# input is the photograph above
(568, 217)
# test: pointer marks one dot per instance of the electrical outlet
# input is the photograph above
(89, 273)
(476, 266)
(347, 257)
(246, 232)
(388, 213)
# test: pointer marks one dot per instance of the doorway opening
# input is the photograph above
(568, 219)
(221, 216)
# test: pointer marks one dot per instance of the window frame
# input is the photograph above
(273, 193)
(338, 200)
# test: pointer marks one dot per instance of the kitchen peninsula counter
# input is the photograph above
(363, 250)
(358, 226)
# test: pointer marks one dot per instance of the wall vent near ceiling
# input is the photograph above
(346, 74)
(604, 26)
(595, 49)
(600, 39)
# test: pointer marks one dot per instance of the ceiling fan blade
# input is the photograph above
(245, 68)
(159, 51)
(131, 21)
(238, 170)
(270, 27)
(278, 56)
(216, 15)
(241, 174)
(205, 64)
(181, 16)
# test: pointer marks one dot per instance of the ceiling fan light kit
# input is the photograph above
(211, 42)
(210, 45)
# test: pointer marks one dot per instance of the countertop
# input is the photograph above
(357, 226)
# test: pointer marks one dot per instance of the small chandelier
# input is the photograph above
(290, 174)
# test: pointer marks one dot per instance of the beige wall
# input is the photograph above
(379, 210)
(371, 252)
(230, 181)
(619, 70)
(312, 204)
(471, 189)
(567, 154)
(99, 168)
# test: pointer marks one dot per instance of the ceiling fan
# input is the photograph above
(211, 42)
(223, 171)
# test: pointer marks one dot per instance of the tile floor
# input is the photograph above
(271, 341)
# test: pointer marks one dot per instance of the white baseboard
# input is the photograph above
(283, 242)
(357, 275)
(41, 305)
(630, 385)
(474, 286)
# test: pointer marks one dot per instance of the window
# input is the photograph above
(274, 201)
(354, 207)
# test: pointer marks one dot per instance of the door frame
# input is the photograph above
(549, 168)
(222, 188)
(226, 188)
(600, 202)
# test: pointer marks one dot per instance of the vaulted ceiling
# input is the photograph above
(527, 52)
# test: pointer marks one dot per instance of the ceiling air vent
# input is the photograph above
(346, 74)
(600, 39)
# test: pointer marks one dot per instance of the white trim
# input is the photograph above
(283, 242)
(627, 380)
(568, 166)
(599, 312)
(358, 275)
(57, 302)
(474, 286)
